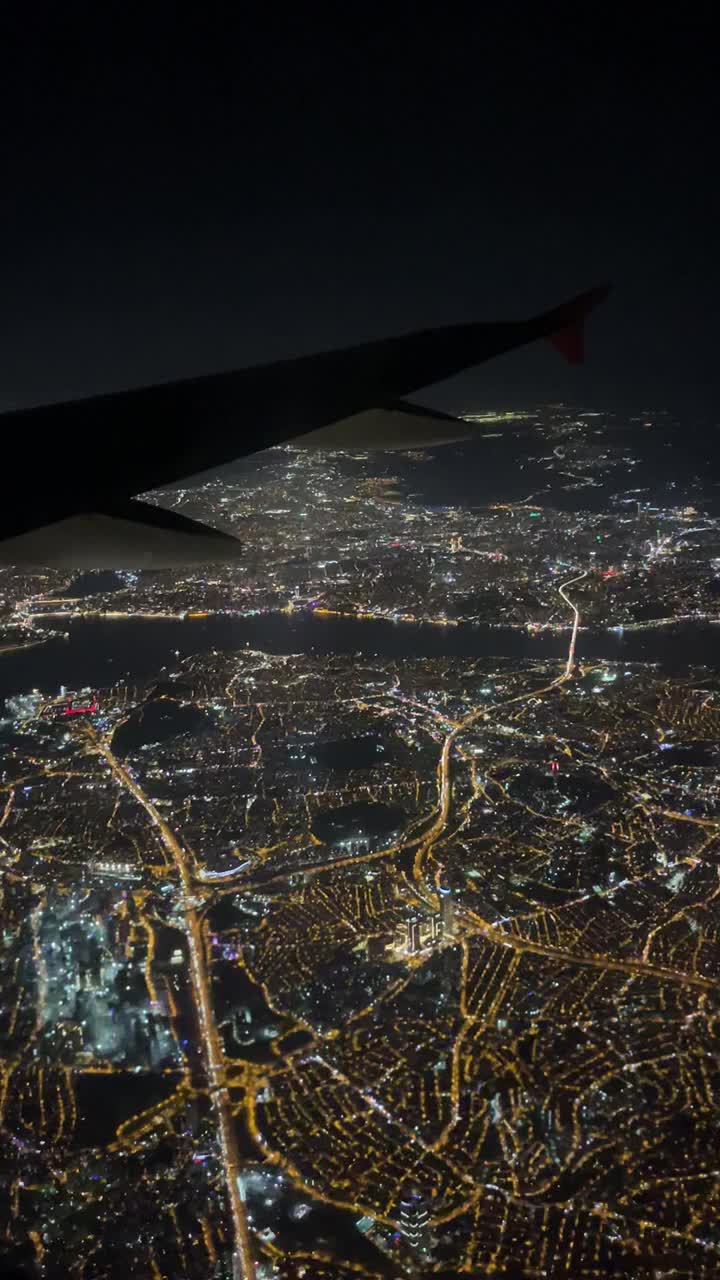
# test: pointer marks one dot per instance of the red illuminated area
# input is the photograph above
(74, 708)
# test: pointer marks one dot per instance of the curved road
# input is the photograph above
(576, 619)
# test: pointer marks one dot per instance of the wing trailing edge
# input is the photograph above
(397, 426)
(135, 535)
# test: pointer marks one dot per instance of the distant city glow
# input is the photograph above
(359, 897)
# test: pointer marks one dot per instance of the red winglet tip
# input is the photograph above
(568, 337)
(570, 343)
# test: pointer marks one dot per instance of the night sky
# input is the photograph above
(182, 196)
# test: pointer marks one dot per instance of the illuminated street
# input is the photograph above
(208, 1038)
(360, 900)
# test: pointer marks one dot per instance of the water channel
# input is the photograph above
(98, 653)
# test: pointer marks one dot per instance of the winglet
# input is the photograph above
(564, 327)
(570, 343)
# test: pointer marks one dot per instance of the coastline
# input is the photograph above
(531, 628)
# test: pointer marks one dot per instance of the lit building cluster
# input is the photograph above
(361, 536)
(346, 966)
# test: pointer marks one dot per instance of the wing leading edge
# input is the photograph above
(165, 433)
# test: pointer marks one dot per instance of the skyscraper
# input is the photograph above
(447, 910)
(415, 1221)
(413, 935)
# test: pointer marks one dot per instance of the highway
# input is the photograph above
(209, 1036)
(634, 968)
(576, 620)
(482, 713)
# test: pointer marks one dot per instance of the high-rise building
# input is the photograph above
(447, 911)
(413, 943)
(415, 1221)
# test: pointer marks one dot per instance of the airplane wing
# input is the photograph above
(397, 426)
(133, 441)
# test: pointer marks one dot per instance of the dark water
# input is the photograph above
(504, 464)
(97, 653)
